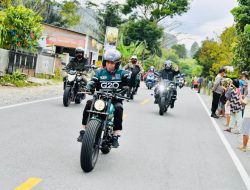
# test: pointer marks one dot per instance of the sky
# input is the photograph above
(205, 18)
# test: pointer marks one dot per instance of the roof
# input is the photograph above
(72, 31)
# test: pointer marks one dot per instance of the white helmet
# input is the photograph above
(168, 64)
(134, 57)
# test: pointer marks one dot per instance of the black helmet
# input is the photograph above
(78, 52)
(113, 56)
(168, 64)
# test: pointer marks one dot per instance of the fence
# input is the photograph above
(23, 62)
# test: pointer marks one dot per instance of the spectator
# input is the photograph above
(192, 82)
(234, 97)
(200, 81)
(217, 91)
(245, 129)
(244, 87)
(195, 83)
(226, 84)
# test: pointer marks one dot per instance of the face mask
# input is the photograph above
(134, 61)
(79, 56)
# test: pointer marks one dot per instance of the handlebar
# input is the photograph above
(106, 94)
(80, 71)
(113, 95)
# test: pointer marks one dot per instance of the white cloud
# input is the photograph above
(210, 29)
(205, 18)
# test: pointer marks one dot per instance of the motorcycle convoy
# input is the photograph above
(99, 132)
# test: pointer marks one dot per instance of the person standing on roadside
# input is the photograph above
(217, 91)
(200, 82)
(244, 87)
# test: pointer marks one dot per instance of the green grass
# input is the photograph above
(16, 79)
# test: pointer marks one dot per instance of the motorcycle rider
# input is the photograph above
(109, 72)
(168, 73)
(136, 68)
(79, 63)
(150, 71)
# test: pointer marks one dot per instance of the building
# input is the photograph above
(64, 41)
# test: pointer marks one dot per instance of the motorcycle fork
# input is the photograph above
(74, 89)
(104, 126)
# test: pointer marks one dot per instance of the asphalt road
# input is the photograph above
(178, 151)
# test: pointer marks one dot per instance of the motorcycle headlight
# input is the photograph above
(161, 88)
(71, 78)
(99, 105)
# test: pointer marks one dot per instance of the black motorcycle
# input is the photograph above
(134, 79)
(74, 83)
(165, 95)
(99, 130)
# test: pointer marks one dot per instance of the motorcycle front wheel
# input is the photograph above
(162, 105)
(67, 96)
(90, 146)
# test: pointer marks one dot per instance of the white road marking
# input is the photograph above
(32, 102)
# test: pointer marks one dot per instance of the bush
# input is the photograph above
(17, 79)
(58, 74)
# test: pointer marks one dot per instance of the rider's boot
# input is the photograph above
(115, 143)
(80, 138)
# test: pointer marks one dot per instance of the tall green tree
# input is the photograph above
(109, 14)
(215, 54)
(180, 50)
(8, 3)
(207, 55)
(62, 14)
(69, 14)
(170, 54)
(242, 18)
(227, 41)
(127, 51)
(156, 10)
(21, 28)
(190, 67)
(149, 13)
(144, 30)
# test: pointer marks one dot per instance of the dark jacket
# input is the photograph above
(168, 74)
(74, 64)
